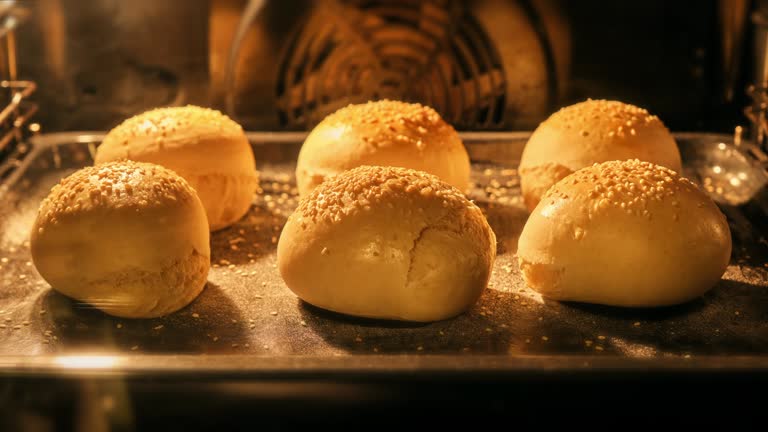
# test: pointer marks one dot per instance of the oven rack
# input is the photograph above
(17, 109)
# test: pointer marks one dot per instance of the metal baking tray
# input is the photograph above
(247, 321)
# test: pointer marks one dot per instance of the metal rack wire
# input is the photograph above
(17, 111)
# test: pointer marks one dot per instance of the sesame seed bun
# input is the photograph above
(591, 132)
(129, 238)
(387, 242)
(386, 133)
(202, 145)
(624, 233)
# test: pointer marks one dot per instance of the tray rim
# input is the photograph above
(40, 142)
(259, 137)
(369, 365)
(352, 364)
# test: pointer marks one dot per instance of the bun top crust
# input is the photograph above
(597, 131)
(362, 188)
(117, 186)
(385, 133)
(186, 139)
(412, 247)
(146, 213)
(624, 233)
(608, 119)
(631, 186)
(394, 123)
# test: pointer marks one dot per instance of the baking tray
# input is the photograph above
(247, 321)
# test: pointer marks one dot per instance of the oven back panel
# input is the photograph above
(283, 64)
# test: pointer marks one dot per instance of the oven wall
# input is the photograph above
(100, 61)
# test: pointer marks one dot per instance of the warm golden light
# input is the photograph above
(86, 361)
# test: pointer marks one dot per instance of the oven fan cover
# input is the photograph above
(483, 64)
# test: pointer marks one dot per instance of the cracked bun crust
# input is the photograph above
(386, 133)
(202, 145)
(387, 242)
(591, 132)
(624, 233)
(129, 238)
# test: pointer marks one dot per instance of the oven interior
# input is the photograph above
(495, 69)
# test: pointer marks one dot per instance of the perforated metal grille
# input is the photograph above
(432, 52)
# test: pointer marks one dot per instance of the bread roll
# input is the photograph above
(386, 133)
(624, 233)
(202, 145)
(129, 238)
(591, 132)
(387, 242)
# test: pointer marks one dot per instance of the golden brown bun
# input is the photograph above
(624, 233)
(386, 133)
(592, 132)
(202, 145)
(387, 242)
(129, 238)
